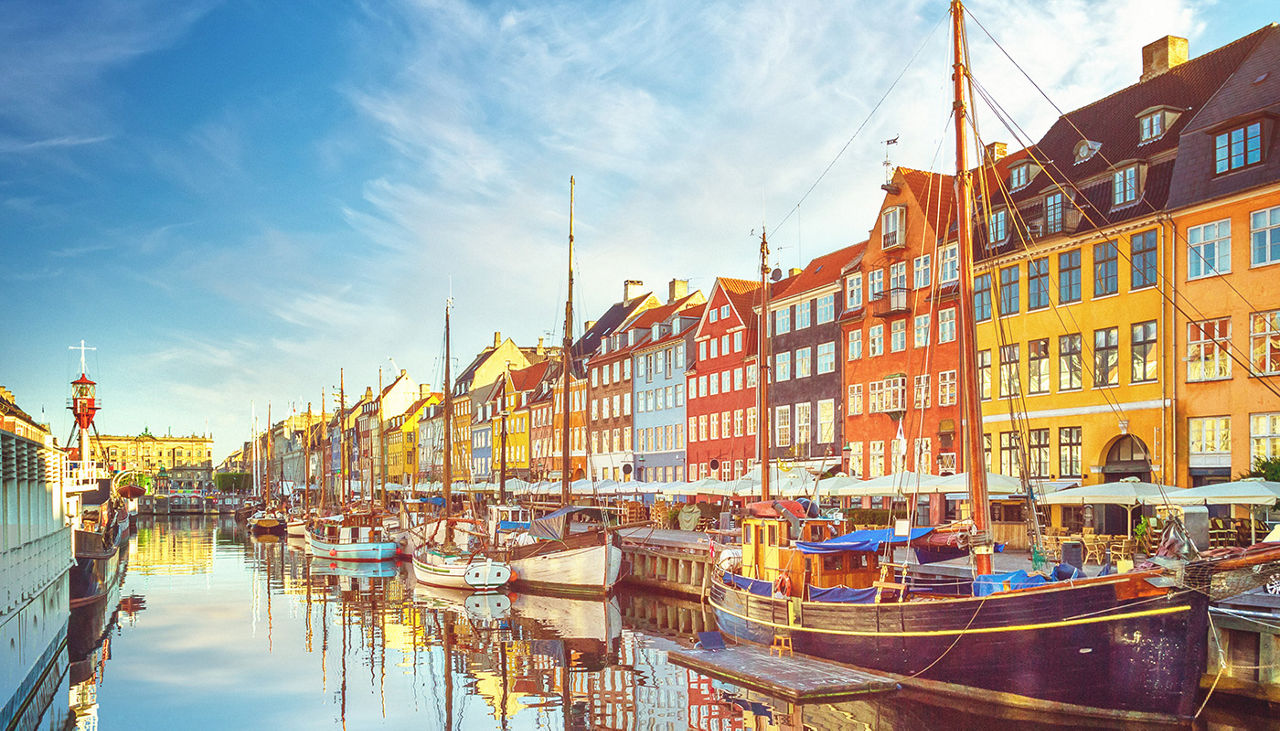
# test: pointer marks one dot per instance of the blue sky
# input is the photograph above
(231, 200)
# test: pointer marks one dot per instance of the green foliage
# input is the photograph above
(241, 482)
(1268, 468)
(868, 516)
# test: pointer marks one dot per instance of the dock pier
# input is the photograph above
(674, 561)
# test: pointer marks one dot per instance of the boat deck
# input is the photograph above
(796, 678)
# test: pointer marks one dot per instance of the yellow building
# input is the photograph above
(402, 439)
(188, 461)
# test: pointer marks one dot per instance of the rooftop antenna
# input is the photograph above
(888, 166)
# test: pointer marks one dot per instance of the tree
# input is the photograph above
(233, 482)
(1268, 468)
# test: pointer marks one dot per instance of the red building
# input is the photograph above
(901, 325)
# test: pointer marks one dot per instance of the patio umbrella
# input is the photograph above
(1126, 493)
(997, 484)
(1252, 491)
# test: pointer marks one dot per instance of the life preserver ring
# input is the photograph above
(782, 585)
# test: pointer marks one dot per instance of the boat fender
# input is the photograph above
(333, 552)
(514, 576)
(782, 585)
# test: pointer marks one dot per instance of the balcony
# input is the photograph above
(892, 302)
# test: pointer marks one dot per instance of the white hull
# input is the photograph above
(355, 551)
(457, 572)
(592, 570)
(296, 528)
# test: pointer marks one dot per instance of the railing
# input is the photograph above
(892, 302)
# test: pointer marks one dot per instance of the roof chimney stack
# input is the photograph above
(993, 152)
(497, 338)
(631, 289)
(677, 290)
(540, 350)
(1162, 55)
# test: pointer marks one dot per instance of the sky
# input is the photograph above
(233, 199)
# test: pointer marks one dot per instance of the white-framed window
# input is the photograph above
(875, 340)
(876, 468)
(1019, 176)
(804, 422)
(949, 264)
(1209, 435)
(855, 459)
(1264, 435)
(737, 422)
(947, 325)
(855, 345)
(1151, 126)
(853, 291)
(898, 275)
(751, 420)
(724, 311)
(737, 378)
(1209, 249)
(804, 362)
(1124, 185)
(713, 383)
(855, 399)
(826, 357)
(702, 386)
(898, 336)
(803, 312)
(826, 308)
(782, 425)
(714, 424)
(923, 455)
(751, 376)
(1264, 236)
(782, 321)
(921, 331)
(892, 233)
(996, 227)
(946, 388)
(1207, 355)
(693, 428)
(921, 271)
(737, 341)
(1264, 343)
(714, 348)
(713, 314)
(1053, 213)
(922, 391)
(782, 367)
(726, 381)
(875, 284)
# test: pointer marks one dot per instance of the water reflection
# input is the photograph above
(242, 632)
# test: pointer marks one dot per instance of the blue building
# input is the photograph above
(658, 391)
(483, 408)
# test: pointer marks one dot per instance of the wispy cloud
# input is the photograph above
(9, 145)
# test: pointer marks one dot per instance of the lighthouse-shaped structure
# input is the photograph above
(83, 405)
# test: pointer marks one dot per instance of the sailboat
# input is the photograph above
(442, 563)
(268, 520)
(555, 555)
(1127, 647)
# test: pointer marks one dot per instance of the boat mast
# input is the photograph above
(567, 358)
(382, 450)
(306, 463)
(763, 370)
(342, 437)
(975, 462)
(447, 490)
(268, 500)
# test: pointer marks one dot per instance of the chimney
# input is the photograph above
(539, 351)
(793, 271)
(424, 390)
(368, 391)
(403, 373)
(1162, 55)
(677, 289)
(589, 324)
(497, 338)
(631, 289)
(994, 152)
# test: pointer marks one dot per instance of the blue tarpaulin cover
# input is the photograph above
(755, 586)
(842, 594)
(992, 583)
(513, 525)
(861, 540)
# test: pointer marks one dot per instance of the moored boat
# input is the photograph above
(459, 570)
(353, 537)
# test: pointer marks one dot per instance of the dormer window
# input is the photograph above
(656, 331)
(891, 228)
(996, 228)
(1151, 126)
(1053, 213)
(1085, 149)
(1237, 148)
(1019, 176)
(713, 315)
(1124, 186)
(853, 291)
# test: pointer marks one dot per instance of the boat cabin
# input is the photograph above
(770, 534)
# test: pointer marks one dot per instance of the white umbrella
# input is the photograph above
(1249, 491)
(838, 485)
(997, 484)
(1126, 493)
(891, 485)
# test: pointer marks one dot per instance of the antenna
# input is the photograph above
(888, 166)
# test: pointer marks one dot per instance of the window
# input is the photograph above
(891, 233)
(1069, 362)
(1038, 452)
(1237, 148)
(1070, 443)
(876, 469)
(702, 428)
(1053, 213)
(984, 374)
(1209, 249)
(1151, 126)
(1264, 343)
(982, 297)
(922, 391)
(737, 422)
(713, 314)
(947, 325)
(804, 311)
(804, 423)
(1009, 293)
(715, 348)
(804, 362)
(782, 367)
(1124, 186)
(921, 331)
(724, 344)
(855, 344)
(1143, 349)
(715, 427)
(1037, 283)
(921, 269)
(702, 350)
(1264, 236)
(737, 379)
(1207, 343)
(724, 311)
(782, 425)
(782, 321)
(595, 377)
(947, 388)
(888, 395)
(898, 336)
(1010, 379)
(713, 381)
(1069, 277)
(1009, 449)
(898, 275)
(826, 308)
(949, 264)
(751, 420)
(855, 399)
(996, 227)
(1209, 435)
(1019, 176)
(726, 381)
(853, 291)
(1264, 436)
(1106, 278)
(826, 357)
(855, 459)
(1106, 357)
(751, 376)
(924, 455)
(737, 342)
(1038, 366)
(1142, 259)
(875, 340)
(875, 284)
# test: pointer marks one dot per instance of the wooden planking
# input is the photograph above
(797, 678)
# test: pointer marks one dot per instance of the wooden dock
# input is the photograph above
(794, 678)
(674, 561)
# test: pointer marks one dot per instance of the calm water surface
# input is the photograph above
(219, 630)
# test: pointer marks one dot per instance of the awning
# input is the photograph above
(555, 526)
(1239, 492)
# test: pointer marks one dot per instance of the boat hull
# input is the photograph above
(477, 575)
(586, 571)
(296, 528)
(1077, 649)
(356, 551)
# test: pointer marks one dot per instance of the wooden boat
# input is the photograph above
(552, 557)
(267, 522)
(459, 570)
(352, 537)
(296, 526)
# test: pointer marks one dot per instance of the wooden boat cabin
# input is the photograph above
(350, 528)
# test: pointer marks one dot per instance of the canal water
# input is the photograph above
(216, 629)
